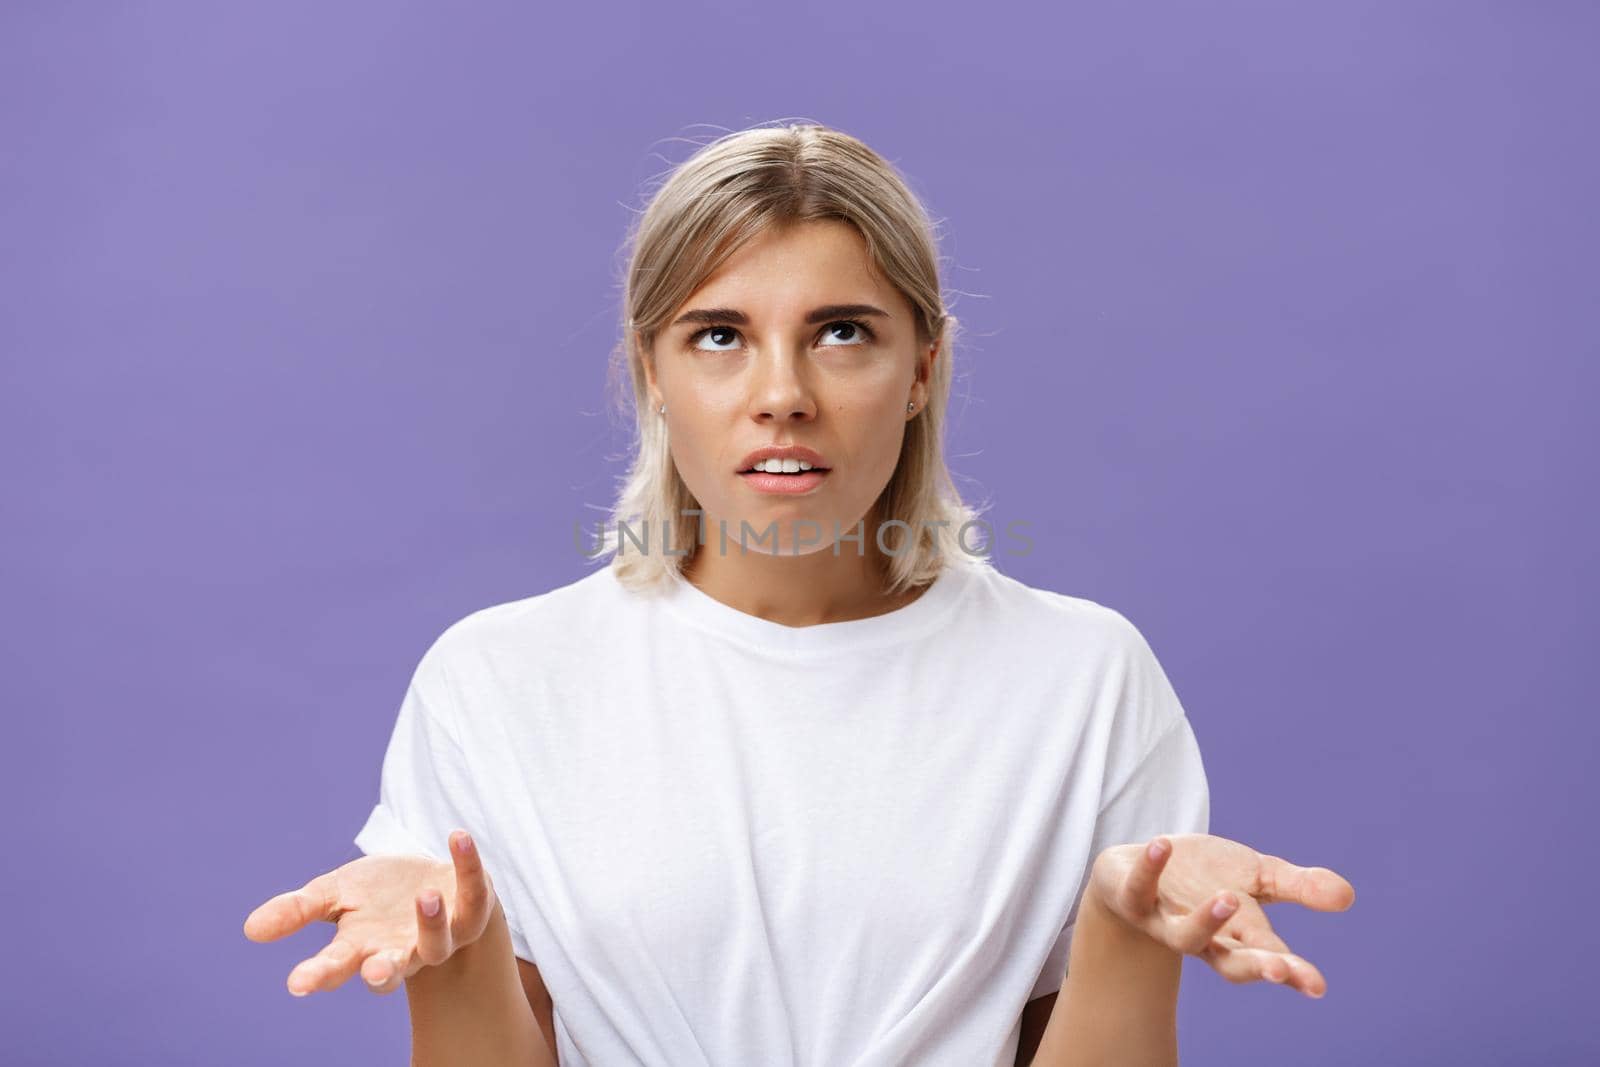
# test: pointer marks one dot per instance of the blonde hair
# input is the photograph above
(725, 194)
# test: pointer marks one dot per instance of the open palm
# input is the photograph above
(1202, 895)
(395, 915)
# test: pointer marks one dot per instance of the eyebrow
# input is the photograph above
(826, 313)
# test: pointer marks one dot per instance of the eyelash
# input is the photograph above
(866, 330)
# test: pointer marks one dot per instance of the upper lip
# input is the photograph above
(799, 452)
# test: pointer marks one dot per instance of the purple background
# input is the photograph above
(1281, 336)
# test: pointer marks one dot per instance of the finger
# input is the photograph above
(1283, 882)
(328, 969)
(434, 943)
(1250, 926)
(1139, 890)
(1241, 963)
(1194, 931)
(385, 971)
(287, 912)
(1253, 930)
(472, 892)
(1304, 976)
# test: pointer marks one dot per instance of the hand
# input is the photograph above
(381, 906)
(1201, 895)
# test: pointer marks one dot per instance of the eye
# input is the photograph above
(856, 328)
(858, 333)
(694, 338)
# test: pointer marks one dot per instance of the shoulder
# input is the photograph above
(567, 618)
(1035, 616)
(1090, 655)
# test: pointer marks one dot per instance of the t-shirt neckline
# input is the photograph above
(933, 608)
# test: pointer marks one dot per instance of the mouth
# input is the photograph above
(783, 460)
(783, 470)
(781, 482)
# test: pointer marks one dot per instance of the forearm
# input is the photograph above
(472, 1008)
(1119, 1003)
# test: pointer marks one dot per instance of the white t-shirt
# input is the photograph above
(726, 841)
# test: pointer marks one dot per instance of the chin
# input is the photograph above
(813, 534)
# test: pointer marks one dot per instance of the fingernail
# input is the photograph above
(464, 844)
(430, 904)
(1222, 908)
(1155, 851)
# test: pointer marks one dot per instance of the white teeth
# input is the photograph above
(782, 466)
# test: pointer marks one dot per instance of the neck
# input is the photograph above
(796, 590)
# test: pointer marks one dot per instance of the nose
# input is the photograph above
(780, 390)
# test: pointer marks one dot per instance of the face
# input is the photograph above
(796, 340)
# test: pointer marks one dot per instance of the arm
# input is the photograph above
(473, 1008)
(1119, 1003)
(543, 1008)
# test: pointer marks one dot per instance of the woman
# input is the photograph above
(799, 777)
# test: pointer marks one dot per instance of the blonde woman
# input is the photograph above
(798, 777)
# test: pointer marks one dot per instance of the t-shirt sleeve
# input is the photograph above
(1155, 781)
(427, 789)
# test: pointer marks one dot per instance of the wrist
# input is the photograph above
(496, 929)
(492, 943)
(1097, 913)
(1119, 997)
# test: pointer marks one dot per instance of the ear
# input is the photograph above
(647, 361)
(925, 358)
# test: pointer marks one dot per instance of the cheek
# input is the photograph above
(691, 453)
(877, 435)
(700, 452)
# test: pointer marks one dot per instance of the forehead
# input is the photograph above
(816, 261)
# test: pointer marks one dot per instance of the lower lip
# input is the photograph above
(804, 482)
